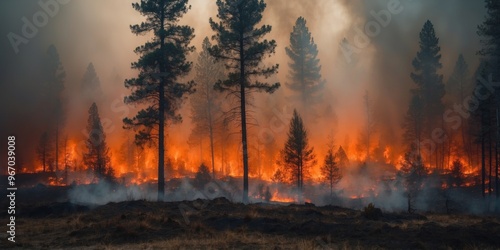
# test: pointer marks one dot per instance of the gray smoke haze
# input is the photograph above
(98, 31)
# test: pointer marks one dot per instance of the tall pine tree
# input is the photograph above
(489, 32)
(161, 64)
(413, 125)
(430, 87)
(241, 45)
(305, 76)
(206, 102)
(457, 89)
(330, 170)
(297, 157)
(97, 156)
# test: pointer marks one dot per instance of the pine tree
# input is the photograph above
(279, 176)
(457, 176)
(91, 85)
(457, 88)
(489, 32)
(413, 126)
(206, 102)
(161, 64)
(305, 71)
(484, 125)
(55, 76)
(202, 177)
(97, 156)
(240, 44)
(430, 88)
(342, 159)
(297, 157)
(330, 170)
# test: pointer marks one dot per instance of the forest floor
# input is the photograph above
(220, 224)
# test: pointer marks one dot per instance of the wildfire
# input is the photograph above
(277, 197)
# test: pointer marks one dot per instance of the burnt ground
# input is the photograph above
(220, 224)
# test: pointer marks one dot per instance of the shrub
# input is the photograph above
(371, 212)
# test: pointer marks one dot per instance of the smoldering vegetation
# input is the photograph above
(219, 223)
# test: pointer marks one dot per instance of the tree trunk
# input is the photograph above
(161, 117)
(211, 131)
(243, 120)
(490, 162)
(57, 144)
(483, 166)
(496, 154)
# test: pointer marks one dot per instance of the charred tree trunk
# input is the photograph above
(490, 158)
(243, 119)
(496, 153)
(483, 166)
(161, 126)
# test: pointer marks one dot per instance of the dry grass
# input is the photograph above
(223, 225)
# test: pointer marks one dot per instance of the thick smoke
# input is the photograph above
(98, 32)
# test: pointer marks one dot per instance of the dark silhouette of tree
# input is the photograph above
(97, 156)
(202, 177)
(297, 157)
(489, 32)
(205, 102)
(458, 87)
(305, 71)
(456, 174)
(162, 62)
(279, 176)
(330, 171)
(43, 150)
(413, 125)
(91, 85)
(240, 44)
(430, 88)
(55, 76)
(484, 122)
(413, 172)
(342, 159)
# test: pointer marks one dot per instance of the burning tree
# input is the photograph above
(330, 171)
(297, 157)
(97, 156)
(162, 62)
(43, 150)
(305, 70)
(342, 159)
(205, 102)
(456, 175)
(239, 44)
